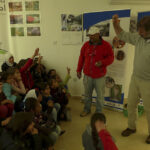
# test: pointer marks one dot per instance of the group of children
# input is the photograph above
(32, 102)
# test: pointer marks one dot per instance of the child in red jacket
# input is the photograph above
(25, 66)
(96, 137)
(98, 124)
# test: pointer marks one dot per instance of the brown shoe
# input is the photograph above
(84, 113)
(148, 140)
(128, 132)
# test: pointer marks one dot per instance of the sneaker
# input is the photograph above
(84, 113)
(128, 132)
(148, 140)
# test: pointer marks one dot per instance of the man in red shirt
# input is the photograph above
(96, 54)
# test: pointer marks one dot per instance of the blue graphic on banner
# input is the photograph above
(142, 14)
(90, 19)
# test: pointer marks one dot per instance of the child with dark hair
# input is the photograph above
(7, 78)
(24, 68)
(47, 100)
(96, 137)
(6, 106)
(59, 95)
(62, 83)
(9, 62)
(38, 72)
(43, 121)
(20, 134)
(17, 83)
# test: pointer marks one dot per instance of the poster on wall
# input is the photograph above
(15, 6)
(32, 18)
(71, 27)
(33, 31)
(115, 77)
(16, 19)
(32, 5)
(17, 31)
(2, 6)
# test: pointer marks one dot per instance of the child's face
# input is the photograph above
(58, 79)
(53, 73)
(47, 90)
(17, 75)
(1, 85)
(11, 60)
(38, 108)
(10, 79)
(55, 84)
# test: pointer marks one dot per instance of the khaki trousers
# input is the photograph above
(138, 88)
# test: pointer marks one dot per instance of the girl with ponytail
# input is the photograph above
(96, 137)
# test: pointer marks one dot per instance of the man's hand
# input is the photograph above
(98, 64)
(79, 75)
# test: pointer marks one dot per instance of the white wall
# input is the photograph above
(55, 54)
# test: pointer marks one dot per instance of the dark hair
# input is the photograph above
(50, 71)
(96, 117)
(42, 86)
(22, 62)
(144, 23)
(19, 123)
(30, 104)
(1, 77)
(6, 74)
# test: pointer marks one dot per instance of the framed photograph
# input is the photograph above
(33, 31)
(32, 18)
(16, 19)
(17, 31)
(15, 6)
(32, 5)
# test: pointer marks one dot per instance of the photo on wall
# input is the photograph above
(71, 22)
(116, 92)
(32, 18)
(17, 31)
(15, 6)
(33, 31)
(16, 19)
(32, 5)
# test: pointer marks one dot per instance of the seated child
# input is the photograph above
(96, 136)
(7, 87)
(47, 100)
(24, 68)
(6, 106)
(38, 72)
(43, 121)
(62, 83)
(21, 134)
(17, 83)
(59, 96)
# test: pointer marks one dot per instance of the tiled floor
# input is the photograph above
(116, 122)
